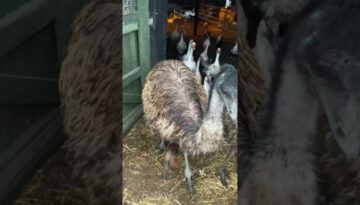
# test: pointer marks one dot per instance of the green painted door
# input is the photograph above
(136, 58)
(32, 34)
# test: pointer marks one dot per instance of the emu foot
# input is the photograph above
(189, 179)
(190, 182)
(224, 175)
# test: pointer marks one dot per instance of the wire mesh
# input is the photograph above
(129, 11)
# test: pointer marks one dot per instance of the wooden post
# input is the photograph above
(197, 6)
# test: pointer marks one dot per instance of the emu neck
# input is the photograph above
(197, 70)
(217, 59)
(210, 136)
(206, 88)
(204, 53)
(191, 54)
(215, 106)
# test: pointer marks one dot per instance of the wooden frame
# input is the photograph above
(140, 71)
(28, 90)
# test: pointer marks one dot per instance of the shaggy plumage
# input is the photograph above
(178, 107)
(91, 96)
(287, 153)
(251, 95)
(174, 106)
(285, 9)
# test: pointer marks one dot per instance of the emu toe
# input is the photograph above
(224, 175)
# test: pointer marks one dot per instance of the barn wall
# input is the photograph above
(32, 34)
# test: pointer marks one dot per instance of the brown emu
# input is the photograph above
(90, 91)
(176, 108)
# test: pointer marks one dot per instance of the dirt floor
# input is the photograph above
(142, 174)
(54, 184)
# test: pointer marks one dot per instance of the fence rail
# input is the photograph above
(207, 14)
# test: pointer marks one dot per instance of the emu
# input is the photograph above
(251, 94)
(91, 95)
(176, 108)
(316, 73)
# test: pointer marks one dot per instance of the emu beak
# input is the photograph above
(193, 45)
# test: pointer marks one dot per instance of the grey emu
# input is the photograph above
(316, 73)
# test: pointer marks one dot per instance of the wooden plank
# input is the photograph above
(126, 55)
(7, 6)
(128, 28)
(25, 138)
(143, 58)
(28, 90)
(23, 22)
(130, 77)
(133, 51)
(144, 39)
(131, 119)
(130, 98)
(69, 9)
(196, 16)
(38, 144)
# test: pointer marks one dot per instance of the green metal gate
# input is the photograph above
(136, 58)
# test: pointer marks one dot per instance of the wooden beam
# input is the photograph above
(24, 156)
(128, 28)
(24, 22)
(130, 98)
(130, 77)
(144, 39)
(197, 6)
(131, 119)
(28, 90)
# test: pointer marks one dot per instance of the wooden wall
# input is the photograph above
(32, 34)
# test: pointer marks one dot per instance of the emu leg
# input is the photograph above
(168, 156)
(224, 174)
(188, 173)
(161, 146)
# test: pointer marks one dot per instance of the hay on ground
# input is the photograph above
(143, 169)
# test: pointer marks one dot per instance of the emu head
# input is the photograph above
(226, 85)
